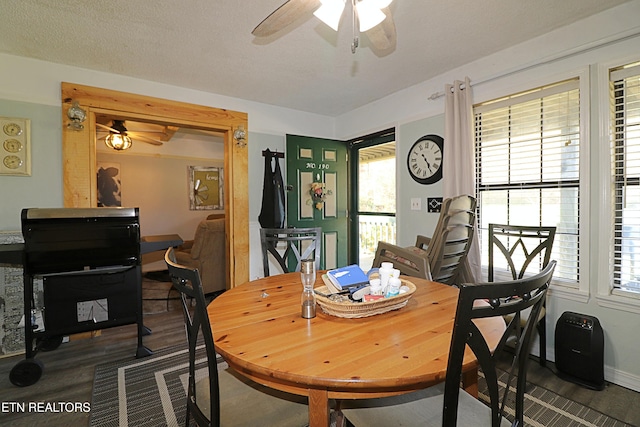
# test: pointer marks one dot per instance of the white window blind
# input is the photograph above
(625, 157)
(528, 168)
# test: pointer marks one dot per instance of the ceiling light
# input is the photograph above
(366, 13)
(330, 12)
(118, 140)
(369, 15)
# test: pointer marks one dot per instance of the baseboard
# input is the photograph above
(611, 374)
(623, 379)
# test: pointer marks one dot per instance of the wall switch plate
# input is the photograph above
(416, 204)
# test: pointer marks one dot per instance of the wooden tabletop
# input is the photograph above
(259, 331)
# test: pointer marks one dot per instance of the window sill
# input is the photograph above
(573, 294)
(619, 299)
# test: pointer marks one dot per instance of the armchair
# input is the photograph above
(207, 253)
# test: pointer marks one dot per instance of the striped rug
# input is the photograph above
(544, 408)
(147, 392)
(150, 392)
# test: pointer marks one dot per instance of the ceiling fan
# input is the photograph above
(372, 17)
(119, 137)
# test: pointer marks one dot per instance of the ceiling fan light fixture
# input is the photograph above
(118, 140)
(330, 12)
(369, 15)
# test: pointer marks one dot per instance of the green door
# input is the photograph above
(317, 162)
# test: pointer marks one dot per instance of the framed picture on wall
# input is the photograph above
(206, 188)
(109, 185)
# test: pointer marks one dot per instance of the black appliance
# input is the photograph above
(579, 350)
(90, 264)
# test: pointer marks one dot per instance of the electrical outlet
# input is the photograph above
(416, 204)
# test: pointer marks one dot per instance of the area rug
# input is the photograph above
(544, 408)
(144, 392)
(150, 392)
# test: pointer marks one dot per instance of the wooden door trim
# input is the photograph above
(79, 155)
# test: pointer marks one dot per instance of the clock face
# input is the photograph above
(12, 162)
(424, 161)
(12, 145)
(12, 129)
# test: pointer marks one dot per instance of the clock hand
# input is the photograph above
(425, 159)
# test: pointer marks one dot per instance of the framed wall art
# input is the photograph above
(206, 188)
(109, 185)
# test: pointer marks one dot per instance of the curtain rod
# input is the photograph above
(619, 37)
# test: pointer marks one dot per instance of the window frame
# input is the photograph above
(606, 294)
(559, 288)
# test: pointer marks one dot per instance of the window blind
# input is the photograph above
(625, 160)
(528, 167)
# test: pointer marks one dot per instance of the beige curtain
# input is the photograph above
(458, 170)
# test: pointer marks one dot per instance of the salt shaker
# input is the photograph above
(308, 299)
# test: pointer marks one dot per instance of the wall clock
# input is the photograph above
(15, 146)
(424, 160)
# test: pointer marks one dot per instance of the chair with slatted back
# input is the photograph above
(289, 246)
(448, 405)
(223, 397)
(515, 251)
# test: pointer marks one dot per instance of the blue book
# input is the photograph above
(346, 277)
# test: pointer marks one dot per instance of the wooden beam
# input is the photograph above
(79, 154)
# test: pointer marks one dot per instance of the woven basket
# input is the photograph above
(364, 309)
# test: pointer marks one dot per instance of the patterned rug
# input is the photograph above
(150, 392)
(147, 392)
(544, 408)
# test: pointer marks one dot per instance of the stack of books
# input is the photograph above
(347, 277)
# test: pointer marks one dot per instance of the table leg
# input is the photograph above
(318, 408)
(470, 382)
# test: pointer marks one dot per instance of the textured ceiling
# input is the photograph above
(207, 44)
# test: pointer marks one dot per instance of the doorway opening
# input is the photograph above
(373, 201)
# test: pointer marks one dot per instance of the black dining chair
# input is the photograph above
(290, 245)
(515, 251)
(448, 405)
(223, 397)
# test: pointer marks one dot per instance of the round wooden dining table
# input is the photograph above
(259, 330)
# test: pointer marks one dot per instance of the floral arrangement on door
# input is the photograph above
(318, 194)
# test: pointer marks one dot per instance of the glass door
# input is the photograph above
(373, 218)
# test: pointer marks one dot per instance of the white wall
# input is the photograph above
(570, 50)
(611, 38)
(34, 92)
(44, 187)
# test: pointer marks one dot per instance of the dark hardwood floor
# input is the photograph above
(69, 370)
(615, 401)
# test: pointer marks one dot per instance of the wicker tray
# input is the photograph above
(364, 309)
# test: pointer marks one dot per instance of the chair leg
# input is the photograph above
(542, 333)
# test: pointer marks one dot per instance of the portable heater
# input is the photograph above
(579, 350)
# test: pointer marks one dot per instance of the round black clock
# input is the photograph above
(424, 161)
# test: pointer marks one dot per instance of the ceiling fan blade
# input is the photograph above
(110, 129)
(144, 138)
(284, 15)
(383, 36)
